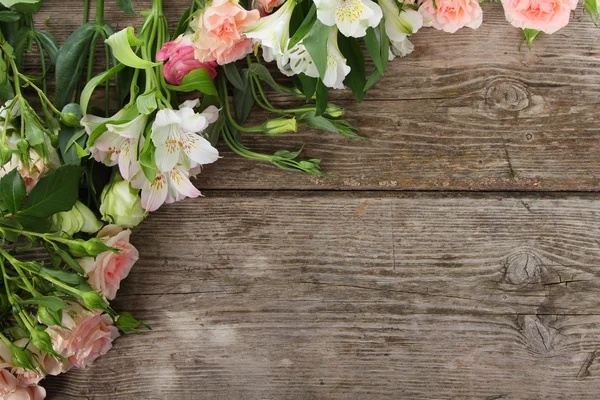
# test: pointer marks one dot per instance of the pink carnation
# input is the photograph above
(451, 15)
(218, 32)
(181, 60)
(544, 15)
(85, 337)
(106, 272)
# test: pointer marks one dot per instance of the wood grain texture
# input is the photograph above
(365, 295)
(467, 111)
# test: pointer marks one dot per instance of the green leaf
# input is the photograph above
(121, 43)
(87, 92)
(69, 135)
(322, 96)
(70, 62)
(128, 324)
(58, 191)
(147, 103)
(374, 49)
(243, 100)
(6, 91)
(316, 45)
(49, 43)
(372, 79)
(356, 79)
(12, 190)
(264, 75)
(9, 16)
(24, 6)
(147, 161)
(126, 6)
(233, 76)
(51, 302)
(183, 24)
(33, 131)
(68, 278)
(309, 85)
(304, 28)
(198, 79)
(384, 45)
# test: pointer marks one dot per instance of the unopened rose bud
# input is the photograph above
(22, 358)
(23, 147)
(334, 111)
(280, 125)
(95, 246)
(5, 154)
(48, 317)
(41, 339)
(70, 119)
(93, 300)
(121, 204)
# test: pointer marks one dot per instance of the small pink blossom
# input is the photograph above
(86, 336)
(544, 15)
(451, 15)
(267, 6)
(180, 54)
(218, 32)
(106, 272)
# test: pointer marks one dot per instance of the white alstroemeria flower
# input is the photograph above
(299, 61)
(352, 17)
(120, 144)
(399, 24)
(337, 69)
(176, 134)
(168, 187)
(400, 49)
(273, 32)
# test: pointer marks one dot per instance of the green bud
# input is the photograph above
(70, 119)
(94, 301)
(121, 204)
(334, 111)
(96, 246)
(23, 147)
(48, 317)
(41, 340)
(77, 219)
(280, 125)
(5, 154)
(22, 358)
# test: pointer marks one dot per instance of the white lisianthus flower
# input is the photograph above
(399, 24)
(337, 69)
(273, 32)
(176, 135)
(352, 17)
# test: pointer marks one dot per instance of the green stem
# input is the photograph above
(107, 85)
(43, 63)
(100, 12)
(6, 287)
(86, 11)
(225, 101)
(90, 70)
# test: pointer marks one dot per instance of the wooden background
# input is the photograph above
(455, 255)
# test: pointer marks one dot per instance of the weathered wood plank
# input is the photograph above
(467, 111)
(337, 295)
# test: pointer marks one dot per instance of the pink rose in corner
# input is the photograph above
(8, 382)
(86, 336)
(106, 272)
(182, 60)
(451, 15)
(547, 16)
(32, 392)
(218, 32)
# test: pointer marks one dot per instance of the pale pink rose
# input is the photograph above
(31, 392)
(218, 32)
(106, 272)
(48, 362)
(451, 15)
(8, 382)
(266, 6)
(181, 60)
(543, 15)
(86, 336)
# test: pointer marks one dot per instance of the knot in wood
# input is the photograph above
(523, 268)
(539, 336)
(507, 94)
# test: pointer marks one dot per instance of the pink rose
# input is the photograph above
(106, 272)
(182, 60)
(451, 15)
(266, 5)
(218, 32)
(8, 382)
(32, 392)
(543, 15)
(85, 337)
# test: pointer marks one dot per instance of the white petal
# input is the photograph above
(155, 194)
(326, 11)
(131, 129)
(194, 123)
(181, 183)
(211, 113)
(199, 149)
(190, 104)
(161, 134)
(167, 155)
(166, 117)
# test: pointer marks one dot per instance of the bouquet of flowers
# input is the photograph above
(76, 176)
